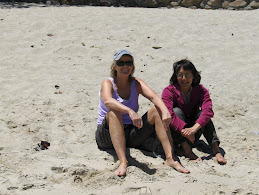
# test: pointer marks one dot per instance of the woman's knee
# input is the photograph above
(179, 112)
(152, 115)
(113, 115)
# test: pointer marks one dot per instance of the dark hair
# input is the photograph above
(186, 65)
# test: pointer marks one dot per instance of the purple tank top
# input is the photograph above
(132, 103)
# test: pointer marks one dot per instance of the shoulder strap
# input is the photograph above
(113, 84)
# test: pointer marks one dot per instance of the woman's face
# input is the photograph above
(185, 78)
(125, 69)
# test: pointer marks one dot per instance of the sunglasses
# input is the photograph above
(187, 76)
(122, 63)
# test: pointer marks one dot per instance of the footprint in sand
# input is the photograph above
(138, 190)
(58, 170)
(11, 124)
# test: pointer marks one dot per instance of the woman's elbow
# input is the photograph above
(107, 102)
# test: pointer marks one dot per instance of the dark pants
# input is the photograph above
(134, 136)
(208, 130)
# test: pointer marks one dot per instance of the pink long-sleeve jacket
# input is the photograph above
(199, 100)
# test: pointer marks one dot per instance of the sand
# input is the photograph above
(72, 48)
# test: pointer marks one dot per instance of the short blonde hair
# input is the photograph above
(113, 73)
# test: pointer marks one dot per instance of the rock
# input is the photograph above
(56, 2)
(225, 4)
(105, 3)
(162, 3)
(147, 3)
(192, 4)
(93, 2)
(197, 3)
(174, 4)
(125, 3)
(202, 5)
(73, 2)
(207, 7)
(64, 2)
(254, 5)
(186, 3)
(238, 4)
(214, 3)
(151, 3)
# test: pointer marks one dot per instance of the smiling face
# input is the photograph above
(185, 78)
(124, 70)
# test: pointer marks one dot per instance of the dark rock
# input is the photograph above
(215, 3)
(147, 3)
(186, 3)
(238, 4)
(162, 3)
(192, 4)
(197, 3)
(105, 3)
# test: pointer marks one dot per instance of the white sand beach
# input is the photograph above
(72, 48)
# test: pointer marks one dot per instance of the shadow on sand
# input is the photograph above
(132, 161)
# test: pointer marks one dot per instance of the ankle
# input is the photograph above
(186, 148)
(215, 148)
(124, 162)
(169, 159)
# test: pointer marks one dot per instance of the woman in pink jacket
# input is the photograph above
(190, 106)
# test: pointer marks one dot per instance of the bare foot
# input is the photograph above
(198, 159)
(193, 156)
(189, 153)
(176, 165)
(215, 150)
(221, 160)
(121, 170)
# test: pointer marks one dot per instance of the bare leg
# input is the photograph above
(164, 135)
(215, 150)
(189, 153)
(118, 140)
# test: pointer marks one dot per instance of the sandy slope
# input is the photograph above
(72, 47)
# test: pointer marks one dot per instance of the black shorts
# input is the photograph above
(134, 136)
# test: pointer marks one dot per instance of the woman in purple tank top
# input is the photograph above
(119, 126)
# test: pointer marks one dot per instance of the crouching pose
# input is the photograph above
(119, 126)
(190, 106)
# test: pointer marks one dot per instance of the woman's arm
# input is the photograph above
(106, 94)
(206, 115)
(206, 107)
(147, 92)
(168, 97)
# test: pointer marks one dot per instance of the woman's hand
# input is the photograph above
(166, 119)
(136, 120)
(189, 133)
(191, 138)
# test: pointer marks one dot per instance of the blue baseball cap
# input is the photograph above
(120, 53)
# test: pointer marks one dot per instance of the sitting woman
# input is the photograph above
(190, 106)
(119, 125)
